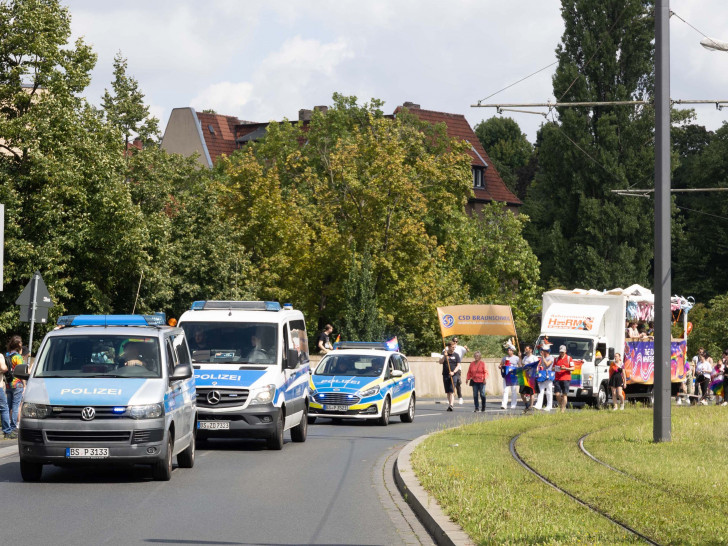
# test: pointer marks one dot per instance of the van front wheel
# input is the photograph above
(30, 472)
(298, 433)
(186, 458)
(162, 469)
(275, 440)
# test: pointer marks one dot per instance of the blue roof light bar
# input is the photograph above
(378, 345)
(222, 305)
(112, 320)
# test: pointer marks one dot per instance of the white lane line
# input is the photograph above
(428, 414)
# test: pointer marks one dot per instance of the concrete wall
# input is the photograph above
(428, 376)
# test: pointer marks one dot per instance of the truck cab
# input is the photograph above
(251, 367)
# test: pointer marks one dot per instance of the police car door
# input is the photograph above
(295, 385)
(174, 403)
(188, 395)
(399, 387)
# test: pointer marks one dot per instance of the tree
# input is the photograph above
(361, 320)
(395, 187)
(125, 108)
(510, 150)
(582, 233)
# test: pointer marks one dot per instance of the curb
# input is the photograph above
(8, 451)
(443, 531)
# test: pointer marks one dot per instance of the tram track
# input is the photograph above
(596, 510)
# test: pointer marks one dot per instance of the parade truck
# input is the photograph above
(592, 326)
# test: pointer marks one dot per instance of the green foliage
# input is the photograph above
(583, 234)
(361, 320)
(396, 187)
(125, 108)
(710, 329)
(510, 150)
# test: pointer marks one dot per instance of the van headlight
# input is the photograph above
(147, 411)
(263, 395)
(369, 392)
(35, 411)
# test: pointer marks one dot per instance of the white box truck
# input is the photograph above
(592, 323)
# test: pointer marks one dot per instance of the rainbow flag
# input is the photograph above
(526, 376)
(576, 373)
(717, 386)
(393, 344)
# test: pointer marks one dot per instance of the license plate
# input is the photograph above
(336, 408)
(213, 425)
(87, 452)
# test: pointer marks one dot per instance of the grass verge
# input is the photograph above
(674, 492)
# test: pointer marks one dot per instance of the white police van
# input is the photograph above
(251, 369)
(109, 389)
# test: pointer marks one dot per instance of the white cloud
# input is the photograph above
(224, 97)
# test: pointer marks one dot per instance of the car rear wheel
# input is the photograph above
(384, 419)
(275, 440)
(298, 433)
(410, 415)
(30, 472)
(162, 469)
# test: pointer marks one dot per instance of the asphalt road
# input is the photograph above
(335, 488)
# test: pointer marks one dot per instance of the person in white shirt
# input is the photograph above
(546, 387)
(702, 376)
(509, 360)
(461, 350)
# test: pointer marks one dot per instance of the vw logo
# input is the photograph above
(88, 413)
(213, 397)
(448, 321)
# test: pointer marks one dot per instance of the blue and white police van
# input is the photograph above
(362, 380)
(109, 389)
(251, 369)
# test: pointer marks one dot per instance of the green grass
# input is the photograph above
(677, 492)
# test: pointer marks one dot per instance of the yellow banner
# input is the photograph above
(476, 320)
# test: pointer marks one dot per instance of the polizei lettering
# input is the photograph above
(97, 390)
(218, 376)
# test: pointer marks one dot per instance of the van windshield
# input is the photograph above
(232, 342)
(578, 349)
(100, 356)
(353, 365)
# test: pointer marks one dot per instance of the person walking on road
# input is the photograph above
(7, 429)
(546, 364)
(526, 392)
(563, 367)
(702, 377)
(477, 375)
(450, 366)
(510, 360)
(461, 350)
(14, 388)
(617, 381)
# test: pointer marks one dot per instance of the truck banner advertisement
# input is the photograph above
(639, 361)
(476, 320)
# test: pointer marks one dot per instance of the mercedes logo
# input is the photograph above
(213, 397)
(88, 413)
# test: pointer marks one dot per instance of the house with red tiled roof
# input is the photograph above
(211, 135)
(488, 186)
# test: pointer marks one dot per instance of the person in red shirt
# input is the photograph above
(477, 375)
(563, 367)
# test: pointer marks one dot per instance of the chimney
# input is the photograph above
(411, 106)
(304, 115)
(322, 109)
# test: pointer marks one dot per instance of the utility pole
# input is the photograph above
(661, 417)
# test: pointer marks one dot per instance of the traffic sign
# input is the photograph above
(42, 296)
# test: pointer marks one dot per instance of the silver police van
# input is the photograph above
(109, 389)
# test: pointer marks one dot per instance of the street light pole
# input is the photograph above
(661, 418)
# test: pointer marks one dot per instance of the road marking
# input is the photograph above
(428, 414)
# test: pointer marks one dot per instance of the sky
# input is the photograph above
(264, 60)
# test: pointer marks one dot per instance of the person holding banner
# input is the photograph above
(450, 366)
(546, 385)
(507, 363)
(461, 350)
(477, 375)
(527, 394)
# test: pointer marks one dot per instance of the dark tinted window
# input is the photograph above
(232, 342)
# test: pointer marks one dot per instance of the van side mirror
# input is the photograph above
(611, 353)
(182, 371)
(21, 372)
(292, 359)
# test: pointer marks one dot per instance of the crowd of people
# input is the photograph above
(705, 380)
(11, 388)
